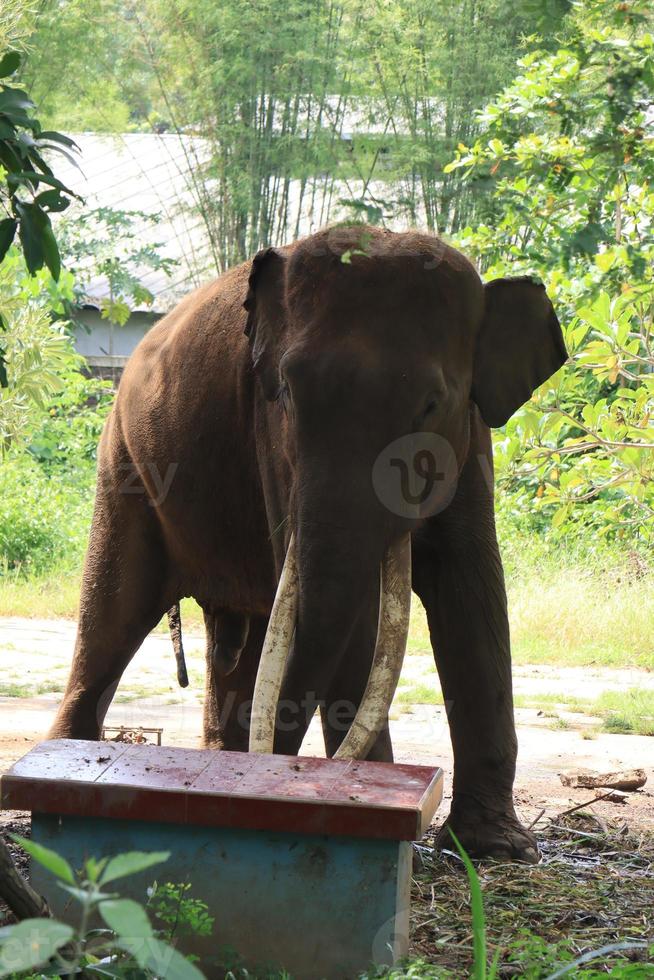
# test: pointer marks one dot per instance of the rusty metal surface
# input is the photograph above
(229, 789)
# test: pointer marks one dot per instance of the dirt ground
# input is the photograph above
(595, 883)
(35, 656)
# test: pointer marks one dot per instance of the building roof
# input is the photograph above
(156, 174)
(153, 174)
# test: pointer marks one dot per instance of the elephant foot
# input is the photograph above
(484, 831)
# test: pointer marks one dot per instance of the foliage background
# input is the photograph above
(521, 131)
(524, 135)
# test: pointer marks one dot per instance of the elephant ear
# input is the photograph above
(266, 316)
(520, 345)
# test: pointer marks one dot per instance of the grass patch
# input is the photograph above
(12, 690)
(130, 695)
(629, 712)
(418, 641)
(563, 610)
(419, 694)
(55, 595)
(574, 616)
(552, 699)
(52, 595)
(592, 889)
(579, 616)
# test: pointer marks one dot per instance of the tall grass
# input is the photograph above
(582, 614)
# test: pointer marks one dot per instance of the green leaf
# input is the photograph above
(7, 232)
(9, 159)
(457, 164)
(58, 865)
(50, 248)
(52, 200)
(35, 177)
(495, 965)
(131, 863)
(53, 137)
(14, 101)
(161, 959)
(477, 905)
(32, 943)
(93, 868)
(37, 161)
(37, 238)
(79, 894)
(9, 63)
(29, 231)
(127, 918)
(604, 260)
(117, 311)
(561, 515)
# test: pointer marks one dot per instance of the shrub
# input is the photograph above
(44, 517)
(128, 947)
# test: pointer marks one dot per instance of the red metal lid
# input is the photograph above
(205, 787)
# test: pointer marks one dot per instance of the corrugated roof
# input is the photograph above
(153, 174)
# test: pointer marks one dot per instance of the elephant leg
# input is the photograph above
(346, 690)
(228, 696)
(123, 598)
(458, 575)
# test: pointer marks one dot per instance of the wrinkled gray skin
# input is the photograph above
(274, 416)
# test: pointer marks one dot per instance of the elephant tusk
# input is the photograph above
(274, 656)
(392, 632)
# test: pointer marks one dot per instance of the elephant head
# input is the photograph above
(362, 340)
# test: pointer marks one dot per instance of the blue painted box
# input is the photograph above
(304, 863)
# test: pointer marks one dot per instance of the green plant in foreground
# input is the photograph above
(480, 969)
(128, 948)
(23, 170)
(179, 914)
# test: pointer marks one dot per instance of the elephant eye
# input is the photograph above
(426, 416)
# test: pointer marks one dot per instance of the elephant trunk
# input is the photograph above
(291, 602)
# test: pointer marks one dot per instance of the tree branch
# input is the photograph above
(21, 898)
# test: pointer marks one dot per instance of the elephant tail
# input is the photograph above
(175, 627)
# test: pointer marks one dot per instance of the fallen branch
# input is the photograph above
(18, 895)
(580, 806)
(536, 819)
(627, 781)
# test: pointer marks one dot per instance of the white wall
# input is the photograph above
(99, 341)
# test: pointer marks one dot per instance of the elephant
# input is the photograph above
(248, 446)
